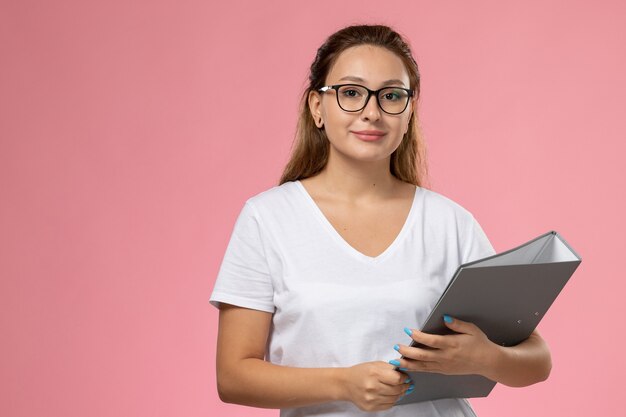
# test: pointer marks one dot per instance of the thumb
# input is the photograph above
(457, 325)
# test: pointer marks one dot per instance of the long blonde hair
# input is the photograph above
(311, 146)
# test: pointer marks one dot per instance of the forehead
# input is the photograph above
(373, 64)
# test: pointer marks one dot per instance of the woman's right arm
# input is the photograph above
(244, 377)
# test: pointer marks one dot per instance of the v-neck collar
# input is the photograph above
(343, 243)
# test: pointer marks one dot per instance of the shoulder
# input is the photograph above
(446, 219)
(439, 205)
(276, 200)
(273, 195)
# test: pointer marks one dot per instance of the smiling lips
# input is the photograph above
(369, 135)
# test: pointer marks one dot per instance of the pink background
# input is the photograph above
(131, 133)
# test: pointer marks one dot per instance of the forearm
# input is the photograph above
(258, 383)
(525, 364)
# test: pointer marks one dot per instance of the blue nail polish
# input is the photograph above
(411, 389)
(447, 318)
(407, 380)
(395, 362)
(396, 347)
(403, 369)
(408, 331)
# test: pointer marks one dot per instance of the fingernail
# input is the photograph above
(447, 318)
(403, 369)
(396, 347)
(407, 380)
(408, 331)
(411, 389)
(395, 362)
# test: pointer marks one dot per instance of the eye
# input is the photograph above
(350, 92)
(392, 96)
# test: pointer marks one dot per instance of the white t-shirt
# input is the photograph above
(334, 306)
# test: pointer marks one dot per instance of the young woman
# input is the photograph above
(324, 271)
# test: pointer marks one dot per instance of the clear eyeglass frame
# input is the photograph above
(369, 94)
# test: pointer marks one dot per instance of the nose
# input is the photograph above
(371, 111)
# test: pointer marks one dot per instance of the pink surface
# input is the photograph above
(132, 132)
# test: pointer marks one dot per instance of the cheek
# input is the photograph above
(338, 122)
(336, 115)
(329, 108)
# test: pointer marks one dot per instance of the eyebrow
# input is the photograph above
(388, 82)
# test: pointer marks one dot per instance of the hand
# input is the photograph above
(467, 352)
(374, 386)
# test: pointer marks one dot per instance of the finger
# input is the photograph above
(392, 390)
(415, 353)
(459, 326)
(421, 366)
(395, 398)
(427, 339)
(395, 377)
(413, 365)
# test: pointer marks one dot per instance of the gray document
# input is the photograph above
(506, 295)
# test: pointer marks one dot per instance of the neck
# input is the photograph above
(357, 181)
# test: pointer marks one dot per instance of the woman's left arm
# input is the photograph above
(471, 352)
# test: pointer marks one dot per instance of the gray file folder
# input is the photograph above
(506, 295)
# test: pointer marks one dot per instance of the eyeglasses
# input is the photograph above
(354, 97)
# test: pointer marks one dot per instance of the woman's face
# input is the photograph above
(370, 66)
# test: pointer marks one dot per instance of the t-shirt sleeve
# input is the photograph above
(244, 278)
(476, 244)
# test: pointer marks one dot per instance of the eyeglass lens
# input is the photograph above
(352, 98)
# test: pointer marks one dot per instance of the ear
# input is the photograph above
(315, 105)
